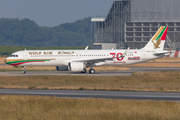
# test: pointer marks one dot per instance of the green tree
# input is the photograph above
(25, 32)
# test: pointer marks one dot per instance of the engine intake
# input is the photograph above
(76, 66)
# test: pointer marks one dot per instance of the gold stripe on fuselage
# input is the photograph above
(12, 60)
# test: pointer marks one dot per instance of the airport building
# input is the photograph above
(132, 23)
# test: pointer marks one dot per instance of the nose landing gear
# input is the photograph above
(24, 70)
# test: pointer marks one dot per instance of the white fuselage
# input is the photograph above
(63, 57)
(79, 60)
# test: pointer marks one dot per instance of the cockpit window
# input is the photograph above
(13, 55)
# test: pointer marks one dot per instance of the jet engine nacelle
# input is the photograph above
(62, 68)
(76, 66)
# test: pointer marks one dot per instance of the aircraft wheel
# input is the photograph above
(92, 71)
(84, 71)
(23, 72)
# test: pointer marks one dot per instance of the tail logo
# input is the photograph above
(159, 36)
(158, 42)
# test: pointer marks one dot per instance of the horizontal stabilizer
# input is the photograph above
(164, 53)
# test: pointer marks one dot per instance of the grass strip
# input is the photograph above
(165, 81)
(51, 108)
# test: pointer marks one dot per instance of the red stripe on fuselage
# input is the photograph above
(16, 64)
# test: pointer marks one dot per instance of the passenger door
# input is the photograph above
(25, 55)
(143, 55)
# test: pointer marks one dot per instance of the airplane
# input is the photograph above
(79, 60)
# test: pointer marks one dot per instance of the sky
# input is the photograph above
(54, 12)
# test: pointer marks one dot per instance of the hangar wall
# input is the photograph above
(131, 23)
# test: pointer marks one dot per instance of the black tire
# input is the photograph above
(84, 71)
(23, 72)
(92, 71)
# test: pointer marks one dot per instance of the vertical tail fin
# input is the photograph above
(158, 40)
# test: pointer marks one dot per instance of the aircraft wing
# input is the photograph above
(92, 61)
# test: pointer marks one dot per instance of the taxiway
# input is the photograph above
(101, 73)
(94, 94)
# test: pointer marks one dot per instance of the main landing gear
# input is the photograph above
(92, 71)
(24, 70)
(84, 71)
